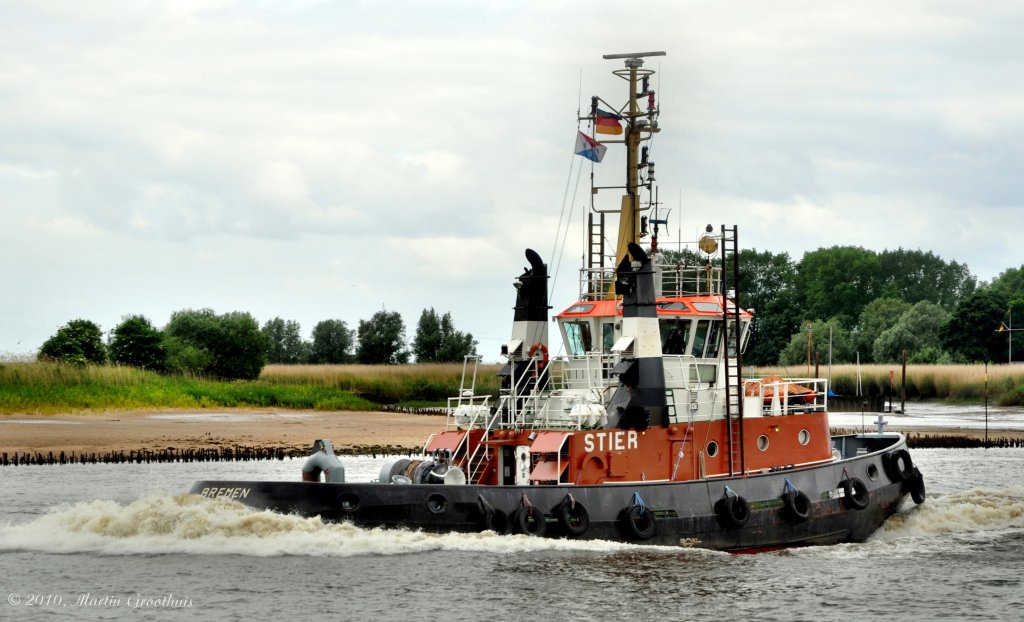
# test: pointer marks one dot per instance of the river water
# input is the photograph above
(94, 542)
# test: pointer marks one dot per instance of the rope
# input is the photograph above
(562, 235)
(572, 501)
(526, 502)
(639, 502)
(789, 486)
(729, 491)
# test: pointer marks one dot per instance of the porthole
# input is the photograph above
(804, 437)
(712, 449)
(872, 472)
(762, 442)
(349, 501)
(437, 503)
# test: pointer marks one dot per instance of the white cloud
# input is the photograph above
(312, 160)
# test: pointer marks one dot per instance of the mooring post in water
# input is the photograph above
(903, 386)
(986, 403)
(892, 374)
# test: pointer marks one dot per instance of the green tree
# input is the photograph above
(877, 316)
(136, 343)
(1010, 283)
(427, 343)
(284, 342)
(971, 330)
(915, 275)
(78, 341)
(918, 328)
(437, 341)
(382, 339)
(455, 345)
(768, 287)
(795, 352)
(837, 282)
(332, 343)
(231, 344)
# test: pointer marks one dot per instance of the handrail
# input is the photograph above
(674, 280)
(784, 405)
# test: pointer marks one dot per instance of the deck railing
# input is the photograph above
(669, 280)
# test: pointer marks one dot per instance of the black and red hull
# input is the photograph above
(693, 513)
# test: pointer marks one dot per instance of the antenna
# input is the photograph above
(633, 55)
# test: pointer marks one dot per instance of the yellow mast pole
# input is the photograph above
(629, 211)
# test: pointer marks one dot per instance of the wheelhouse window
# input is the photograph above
(675, 334)
(707, 339)
(578, 338)
(700, 338)
(607, 337)
(714, 339)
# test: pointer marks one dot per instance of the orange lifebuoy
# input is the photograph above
(543, 350)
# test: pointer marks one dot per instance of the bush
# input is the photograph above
(229, 346)
(136, 343)
(78, 342)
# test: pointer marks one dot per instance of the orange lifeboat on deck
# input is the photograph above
(769, 385)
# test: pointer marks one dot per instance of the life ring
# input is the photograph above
(639, 522)
(543, 351)
(917, 491)
(573, 517)
(898, 465)
(855, 494)
(530, 521)
(797, 505)
(733, 510)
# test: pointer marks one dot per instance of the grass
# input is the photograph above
(955, 383)
(30, 387)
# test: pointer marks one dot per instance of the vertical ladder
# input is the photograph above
(595, 255)
(731, 332)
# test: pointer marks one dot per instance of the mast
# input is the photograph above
(641, 124)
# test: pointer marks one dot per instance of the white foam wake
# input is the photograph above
(978, 510)
(197, 525)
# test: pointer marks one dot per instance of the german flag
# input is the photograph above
(607, 122)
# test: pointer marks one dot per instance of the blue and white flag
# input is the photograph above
(589, 148)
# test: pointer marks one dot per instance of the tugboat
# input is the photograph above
(646, 430)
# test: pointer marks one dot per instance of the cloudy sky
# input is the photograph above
(316, 160)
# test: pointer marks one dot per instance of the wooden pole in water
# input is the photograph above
(903, 386)
(986, 403)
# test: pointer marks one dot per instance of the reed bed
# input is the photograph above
(52, 388)
(957, 383)
(415, 385)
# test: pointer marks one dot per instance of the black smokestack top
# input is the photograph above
(639, 401)
(532, 291)
(636, 286)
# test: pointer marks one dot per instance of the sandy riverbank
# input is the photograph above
(157, 430)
